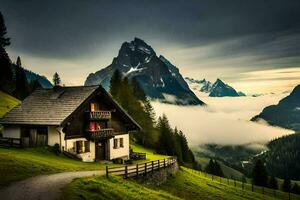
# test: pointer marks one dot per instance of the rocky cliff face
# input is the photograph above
(157, 76)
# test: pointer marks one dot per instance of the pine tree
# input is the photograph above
(22, 89)
(260, 175)
(273, 183)
(18, 63)
(115, 84)
(186, 153)
(5, 62)
(177, 146)
(56, 79)
(4, 41)
(218, 170)
(286, 185)
(165, 136)
(210, 167)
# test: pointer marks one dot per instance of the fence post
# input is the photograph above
(126, 172)
(145, 168)
(152, 165)
(164, 162)
(137, 170)
(106, 171)
(158, 164)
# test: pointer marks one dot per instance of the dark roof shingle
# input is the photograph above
(48, 106)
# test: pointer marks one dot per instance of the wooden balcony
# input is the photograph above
(101, 133)
(99, 115)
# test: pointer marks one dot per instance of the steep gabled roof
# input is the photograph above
(54, 106)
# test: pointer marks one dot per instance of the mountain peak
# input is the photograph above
(221, 89)
(296, 91)
(158, 77)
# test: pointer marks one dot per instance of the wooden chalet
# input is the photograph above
(84, 121)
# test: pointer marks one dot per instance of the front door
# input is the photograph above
(100, 151)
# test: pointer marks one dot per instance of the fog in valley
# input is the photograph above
(224, 120)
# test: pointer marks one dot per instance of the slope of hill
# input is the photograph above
(7, 102)
(285, 114)
(186, 184)
(234, 157)
(228, 171)
(157, 76)
(31, 76)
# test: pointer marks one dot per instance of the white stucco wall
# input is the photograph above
(86, 156)
(53, 135)
(120, 151)
(12, 131)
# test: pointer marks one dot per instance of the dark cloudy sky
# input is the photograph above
(240, 41)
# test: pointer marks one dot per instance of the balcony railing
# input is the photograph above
(98, 115)
(101, 133)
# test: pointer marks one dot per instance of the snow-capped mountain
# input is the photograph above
(157, 76)
(218, 89)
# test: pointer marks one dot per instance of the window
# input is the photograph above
(115, 143)
(121, 142)
(118, 143)
(79, 146)
(94, 107)
(86, 146)
(82, 146)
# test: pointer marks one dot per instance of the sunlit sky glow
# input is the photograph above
(253, 45)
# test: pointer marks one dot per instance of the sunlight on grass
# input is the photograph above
(150, 155)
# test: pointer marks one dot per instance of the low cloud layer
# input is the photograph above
(223, 121)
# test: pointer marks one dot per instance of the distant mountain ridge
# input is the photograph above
(217, 89)
(158, 77)
(285, 114)
(31, 76)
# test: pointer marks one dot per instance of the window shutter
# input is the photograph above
(115, 143)
(121, 142)
(87, 146)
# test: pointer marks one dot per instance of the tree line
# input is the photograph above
(154, 134)
(260, 177)
(13, 79)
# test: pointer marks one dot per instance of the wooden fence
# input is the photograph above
(11, 142)
(249, 186)
(141, 168)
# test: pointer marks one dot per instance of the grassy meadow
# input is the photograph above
(185, 185)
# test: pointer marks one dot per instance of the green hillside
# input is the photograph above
(228, 171)
(7, 102)
(185, 185)
(18, 164)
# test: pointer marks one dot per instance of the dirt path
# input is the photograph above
(44, 187)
